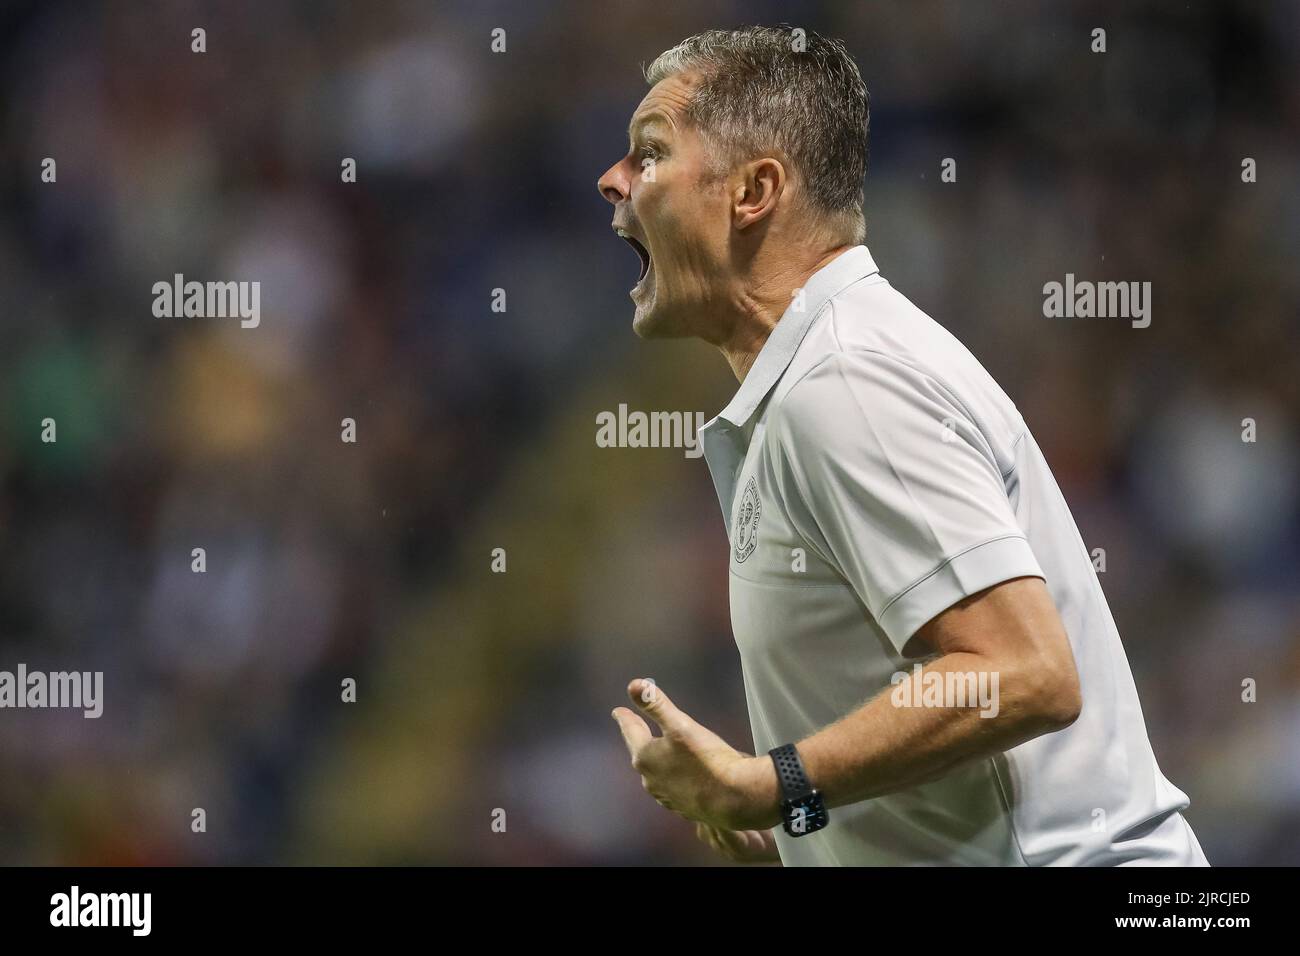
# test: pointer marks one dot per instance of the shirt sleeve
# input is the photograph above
(886, 474)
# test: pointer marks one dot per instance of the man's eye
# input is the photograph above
(649, 152)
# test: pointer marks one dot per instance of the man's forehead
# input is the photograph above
(665, 103)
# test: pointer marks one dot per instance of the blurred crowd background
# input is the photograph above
(480, 691)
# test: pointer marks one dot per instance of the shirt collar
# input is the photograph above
(779, 349)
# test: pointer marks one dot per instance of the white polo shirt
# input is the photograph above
(872, 474)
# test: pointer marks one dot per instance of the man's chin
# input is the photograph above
(643, 320)
(657, 325)
(644, 325)
(651, 323)
(649, 326)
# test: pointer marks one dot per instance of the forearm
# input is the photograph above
(882, 746)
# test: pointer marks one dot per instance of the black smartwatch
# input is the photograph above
(803, 810)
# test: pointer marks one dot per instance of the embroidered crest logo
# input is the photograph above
(747, 515)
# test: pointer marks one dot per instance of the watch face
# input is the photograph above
(805, 815)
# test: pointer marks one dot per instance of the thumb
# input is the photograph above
(650, 699)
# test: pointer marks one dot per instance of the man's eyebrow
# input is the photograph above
(646, 120)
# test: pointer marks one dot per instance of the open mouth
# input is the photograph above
(641, 251)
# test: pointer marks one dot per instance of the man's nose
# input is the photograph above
(614, 185)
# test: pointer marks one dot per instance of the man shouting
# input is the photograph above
(932, 672)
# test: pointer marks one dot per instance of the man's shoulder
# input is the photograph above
(881, 324)
(871, 347)
(872, 337)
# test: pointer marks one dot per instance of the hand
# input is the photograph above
(740, 846)
(692, 771)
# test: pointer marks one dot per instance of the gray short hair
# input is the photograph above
(798, 91)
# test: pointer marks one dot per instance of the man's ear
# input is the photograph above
(757, 191)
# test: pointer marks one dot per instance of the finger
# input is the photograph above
(711, 838)
(651, 700)
(734, 840)
(709, 835)
(762, 846)
(744, 846)
(635, 731)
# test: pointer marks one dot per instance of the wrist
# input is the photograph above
(757, 795)
(803, 806)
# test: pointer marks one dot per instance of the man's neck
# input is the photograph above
(760, 306)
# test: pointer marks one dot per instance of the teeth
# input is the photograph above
(622, 234)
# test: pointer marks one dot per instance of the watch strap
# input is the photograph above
(790, 773)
